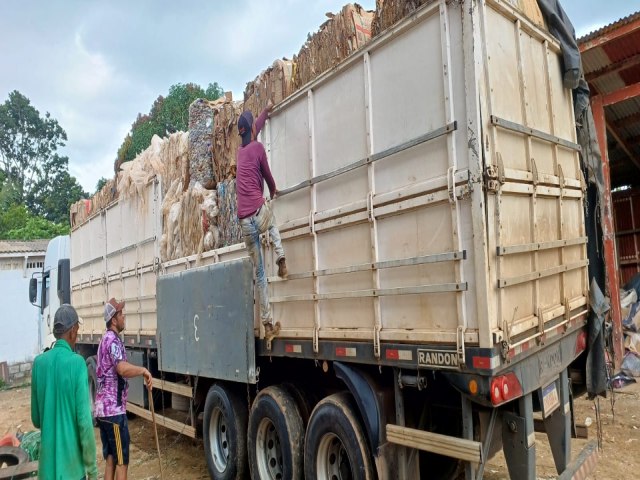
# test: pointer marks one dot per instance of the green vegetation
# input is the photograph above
(36, 189)
(167, 115)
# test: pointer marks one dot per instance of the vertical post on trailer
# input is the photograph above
(467, 433)
(612, 287)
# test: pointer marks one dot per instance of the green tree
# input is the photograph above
(101, 183)
(53, 197)
(167, 115)
(16, 223)
(28, 144)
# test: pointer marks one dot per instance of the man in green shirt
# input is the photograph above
(60, 406)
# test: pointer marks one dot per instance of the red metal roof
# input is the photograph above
(611, 63)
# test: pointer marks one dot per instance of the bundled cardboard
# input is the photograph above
(275, 83)
(337, 38)
(388, 12)
(226, 139)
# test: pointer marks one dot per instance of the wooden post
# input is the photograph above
(610, 258)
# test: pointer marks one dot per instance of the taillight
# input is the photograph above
(505, 388)
(581, 342)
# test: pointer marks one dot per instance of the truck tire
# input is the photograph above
(12, 456)
(93, 385)
(276, 435)
(225, 434)
(335, 446)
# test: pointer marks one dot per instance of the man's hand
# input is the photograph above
(275, 194)
(148, 379)
(269, 106)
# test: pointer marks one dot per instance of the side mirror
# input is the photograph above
(64, 281)
(33, 291)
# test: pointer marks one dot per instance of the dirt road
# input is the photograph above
(183, 458)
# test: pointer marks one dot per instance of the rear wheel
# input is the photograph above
(335, 446)
(225, 434)
(276, 435)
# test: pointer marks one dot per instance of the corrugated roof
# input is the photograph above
(611, 62)
(19, 246)
(608, 28)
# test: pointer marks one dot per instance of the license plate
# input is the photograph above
(550, 400)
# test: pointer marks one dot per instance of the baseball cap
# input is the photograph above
(245, 122)
(64, 318)
(111, 308)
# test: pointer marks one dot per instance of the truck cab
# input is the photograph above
(55, 287)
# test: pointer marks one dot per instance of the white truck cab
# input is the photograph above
(54, 273)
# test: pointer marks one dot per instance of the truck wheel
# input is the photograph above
(276, 435)
(335, 447)
(93, 385)
(225, 434)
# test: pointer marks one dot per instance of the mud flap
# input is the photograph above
(519, 441)
(558, 426)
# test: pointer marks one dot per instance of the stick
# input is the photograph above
(155, 430)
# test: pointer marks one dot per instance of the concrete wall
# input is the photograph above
(16, 373)
(18, 319)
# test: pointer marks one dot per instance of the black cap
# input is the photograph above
(65, 318)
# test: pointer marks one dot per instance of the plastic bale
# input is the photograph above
(228, 223)
(200, 143)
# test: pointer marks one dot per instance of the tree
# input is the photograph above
(52, 199)
(16, 223)
(167, 115)
(101, 183)
(28, 144)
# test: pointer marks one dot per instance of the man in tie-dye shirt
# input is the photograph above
(111, 397)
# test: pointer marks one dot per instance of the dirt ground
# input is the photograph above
(183, 458)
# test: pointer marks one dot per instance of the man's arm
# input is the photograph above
(35, 408)
(128, 370)
(262, 118)
(84, 421)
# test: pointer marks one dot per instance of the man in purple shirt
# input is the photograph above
(111, 398)
(254, 213)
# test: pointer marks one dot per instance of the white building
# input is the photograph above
(19, 320)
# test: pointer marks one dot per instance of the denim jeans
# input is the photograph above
(251, 232)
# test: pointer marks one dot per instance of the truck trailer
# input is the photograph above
(432, 211)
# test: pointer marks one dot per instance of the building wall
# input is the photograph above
(19, 319)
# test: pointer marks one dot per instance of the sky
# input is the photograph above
(94, 65)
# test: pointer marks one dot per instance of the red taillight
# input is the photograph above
(581, 342)
(505, 388)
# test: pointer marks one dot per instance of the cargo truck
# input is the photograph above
(432, 212)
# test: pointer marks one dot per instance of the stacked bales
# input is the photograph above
(389, 12)
(226, 139)
(228, 224)
(275, 83)
(337, 38)
(200, 142)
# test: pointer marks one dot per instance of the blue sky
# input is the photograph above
(94, 64)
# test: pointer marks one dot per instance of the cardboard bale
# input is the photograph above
(226, 139)
(389, 12)
(337, 38)
(275, 83)
(200, 143)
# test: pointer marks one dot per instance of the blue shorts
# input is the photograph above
(114, 433)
